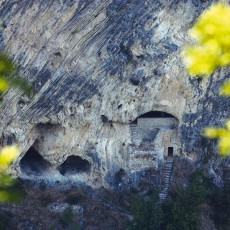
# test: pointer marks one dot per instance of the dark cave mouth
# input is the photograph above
(74, 165)
(33, 164)
(154, 114)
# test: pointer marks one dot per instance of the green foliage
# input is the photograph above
(74, 199)
(4, 220)
(184, 207)
(16, 191)
(75, 227)
(67, 216)
(9, 78)
(220, 202)
(179, 213)
(147, 214)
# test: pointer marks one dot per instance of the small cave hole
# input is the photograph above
(104, 119)
(119, 106)
(57, 53)
(4, 25)
(73, 165)
(33, 164)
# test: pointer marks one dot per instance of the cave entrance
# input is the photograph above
(74, 165)
(33, 164)
(170, 151)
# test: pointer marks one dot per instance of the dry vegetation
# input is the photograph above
(100, 211)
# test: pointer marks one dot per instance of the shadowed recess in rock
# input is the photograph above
(33, 164)
(154, 114)
(74, 165)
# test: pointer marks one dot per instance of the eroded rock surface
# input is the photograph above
(97, 65)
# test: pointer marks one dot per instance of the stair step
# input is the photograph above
(167, 178)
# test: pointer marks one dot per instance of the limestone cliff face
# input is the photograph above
(96, 66)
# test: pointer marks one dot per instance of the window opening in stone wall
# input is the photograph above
(153, 114)
(33, 164)
(74, 165)
(170, 151)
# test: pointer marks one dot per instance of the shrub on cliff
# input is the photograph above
(220, 202)
(181, 212)
(147, 214)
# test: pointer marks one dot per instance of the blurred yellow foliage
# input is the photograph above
(212, 41)
(223, 135)
(211, 50)
(3, 195)
(225, 88)
(4, 85)
(7, 155)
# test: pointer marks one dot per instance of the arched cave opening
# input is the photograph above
(33, 164)
(74, 165)
(154, 114)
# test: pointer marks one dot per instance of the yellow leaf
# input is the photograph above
(224, 145)
(213, 23)
(225, 88)
(199, 60)
(7, 155)
(209, 132)
(224, 59)
(212, 44)
(213, 132)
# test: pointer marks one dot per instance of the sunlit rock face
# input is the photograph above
(96, 66)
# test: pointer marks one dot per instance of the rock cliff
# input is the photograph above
(96, 66)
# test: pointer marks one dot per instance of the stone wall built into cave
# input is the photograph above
(161, 123)
(155, 137)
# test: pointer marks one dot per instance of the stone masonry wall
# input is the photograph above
(151, 123)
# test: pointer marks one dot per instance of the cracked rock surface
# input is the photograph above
(96, 66)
